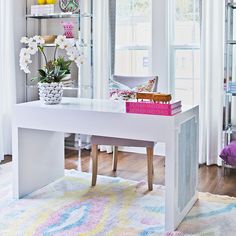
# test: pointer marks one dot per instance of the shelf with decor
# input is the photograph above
(36, 17)
(83, 45)
(229, 129)
(53, 15)
(59, 15)
(37, 22)
(231, 42)
(231, 4)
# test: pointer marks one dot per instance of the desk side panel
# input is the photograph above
(38, 159)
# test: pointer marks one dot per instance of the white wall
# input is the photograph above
(19, 29)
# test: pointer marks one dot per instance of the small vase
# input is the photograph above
(50, 93)
(68, 29)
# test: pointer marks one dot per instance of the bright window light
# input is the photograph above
(185, 51)
(133, 37)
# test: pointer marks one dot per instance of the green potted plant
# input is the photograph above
(51, 75)
(65, 65)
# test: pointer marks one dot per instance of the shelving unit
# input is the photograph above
(87, 44)
(84, 37)
(230, 42)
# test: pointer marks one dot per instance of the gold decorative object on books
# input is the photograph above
(155, 97)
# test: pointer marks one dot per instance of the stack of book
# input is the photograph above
(38, 10)
(232, 87)
(68, 82)
(152, 108)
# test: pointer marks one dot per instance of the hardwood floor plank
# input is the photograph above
(133, 166)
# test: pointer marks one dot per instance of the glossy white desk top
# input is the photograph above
(82, 104)
(95, 105)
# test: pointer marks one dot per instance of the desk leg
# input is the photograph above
(181, 172)
(38, 159)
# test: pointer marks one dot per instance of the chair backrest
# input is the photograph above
(134, 81)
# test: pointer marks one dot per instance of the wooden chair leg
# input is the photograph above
(150, 167)
(94, 164)
(114, 160)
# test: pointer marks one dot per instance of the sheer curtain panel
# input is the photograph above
(7, 75)
(102, 54)
(212, 74)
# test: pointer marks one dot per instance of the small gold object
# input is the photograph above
(155, 97)
(49, 38)
(160, 97)
(148, 96)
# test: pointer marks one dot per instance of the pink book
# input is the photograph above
(152, 108)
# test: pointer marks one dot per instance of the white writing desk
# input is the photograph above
(38, 145)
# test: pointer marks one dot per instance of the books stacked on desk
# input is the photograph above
(37, 10)
(153, 108)
(68, 82)
(232, 87)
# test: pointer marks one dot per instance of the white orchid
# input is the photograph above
(25, 61)
(63, 43)
(24, 64)
(24, 40)
(60, 40)
(24, 53)
(25, 69)
(80, 60)
(71, 51)
(38, 39)
(69, 45)
(36, 43)
(32, 47)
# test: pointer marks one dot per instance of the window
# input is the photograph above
(133, 37)
(185, 51)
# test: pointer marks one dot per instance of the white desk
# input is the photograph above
(38, 145)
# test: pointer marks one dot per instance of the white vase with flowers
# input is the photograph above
(55, 70)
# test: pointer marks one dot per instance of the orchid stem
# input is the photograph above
(55, 52)
(42, 51)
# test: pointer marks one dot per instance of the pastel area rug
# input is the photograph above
(115, 207)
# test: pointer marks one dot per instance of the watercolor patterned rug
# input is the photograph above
(115, 207)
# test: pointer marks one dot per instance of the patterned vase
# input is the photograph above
(50, 93)
(68, 29)
(69, 5)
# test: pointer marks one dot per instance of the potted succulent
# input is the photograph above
(54, 71)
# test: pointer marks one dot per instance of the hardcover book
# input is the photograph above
(152, 108)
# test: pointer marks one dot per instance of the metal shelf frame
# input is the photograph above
(230, 42)
(53, 15)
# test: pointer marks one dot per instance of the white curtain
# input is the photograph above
(101, 49)
(7, 75)
(102, 55)
(212, 74)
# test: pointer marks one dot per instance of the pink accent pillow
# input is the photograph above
(228, 154)
(120, 91)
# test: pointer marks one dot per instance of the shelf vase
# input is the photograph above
(50, 93)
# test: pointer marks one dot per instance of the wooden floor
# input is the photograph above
(133, 166)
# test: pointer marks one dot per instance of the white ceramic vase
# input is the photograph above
(50, 93)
